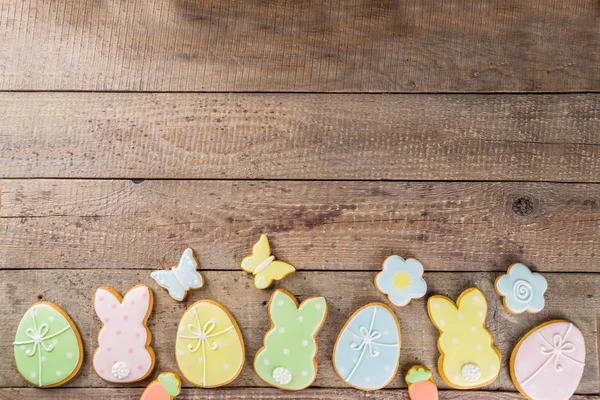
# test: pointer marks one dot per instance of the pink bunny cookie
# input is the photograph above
(124, 354)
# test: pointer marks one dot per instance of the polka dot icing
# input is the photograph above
(208, 353)
(466, 346)
(522, 289)
(290, 344)
(402, 280)
(44, 339)
(120, 351)
(361, 350)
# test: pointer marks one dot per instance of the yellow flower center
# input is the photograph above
(402, 280)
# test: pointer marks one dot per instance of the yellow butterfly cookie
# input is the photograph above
(263, 265)
(468, 358)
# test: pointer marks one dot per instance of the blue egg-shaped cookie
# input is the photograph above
(367, 352)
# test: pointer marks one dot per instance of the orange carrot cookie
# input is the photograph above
(468, 358)
(420, 384)
(166, 387)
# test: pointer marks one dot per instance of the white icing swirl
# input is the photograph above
(523, 291)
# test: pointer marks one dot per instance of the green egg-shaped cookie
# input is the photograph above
(48, 348)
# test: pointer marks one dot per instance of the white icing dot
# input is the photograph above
(51, 318)
(69, 355)
(286, 351)
(342, 370)
(387, 368)
(22, 347)
(318, 306)
(386, 332)
(493, 367)
(454, 340)
(226, 366)
(267, 362)
(280, 302)
(201, 360)
(58, 373)
(43, 358)
(473, 328)
(436, 305)
(305, 343)
(456, 377)
(471, 372)
(459, 315)
(442, 322)
(283, 376)
(476, 298)
(181, 354)
(304, 373)
(33, 375)
(281, 330)
(55, 341)
(479, 347)
(181, 329)
(367, 379)
(213, 320)
(480, 313)
(300, 318)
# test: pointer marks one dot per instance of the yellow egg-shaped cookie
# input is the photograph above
(209, 348)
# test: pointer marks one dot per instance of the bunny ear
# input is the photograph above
(105, 302)
(137, 302)
(472, 303)
(442, 311)
(313, 312)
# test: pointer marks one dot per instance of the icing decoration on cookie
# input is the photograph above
(124, 353)
(367, 351)
(287, 360)
(209, 348)
(166, 387)
(548, 362)
(182, 278)
(468, 358)
(420, 384)
(48, 348)
(263, 265)
(402, 280)
(522, 289)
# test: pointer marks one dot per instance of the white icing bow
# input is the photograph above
(559, 347)
(368, 338)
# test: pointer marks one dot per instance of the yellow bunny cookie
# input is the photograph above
(468, 358)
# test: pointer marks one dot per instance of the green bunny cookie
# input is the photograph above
(287, 360)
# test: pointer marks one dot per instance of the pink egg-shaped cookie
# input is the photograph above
(548, 362)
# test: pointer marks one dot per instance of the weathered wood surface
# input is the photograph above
(300, 136)
(254, 45)
(570, 296)
(252, 393)
(449, 226)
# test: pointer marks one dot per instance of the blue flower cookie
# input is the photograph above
(402, 280)
(522, 289)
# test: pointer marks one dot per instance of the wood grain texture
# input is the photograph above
(250, 393)
(73, 290)
(309, 45)
(449, 226)
(306, 136)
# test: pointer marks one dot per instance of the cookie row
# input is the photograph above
(547, 363)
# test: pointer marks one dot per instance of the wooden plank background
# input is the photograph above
(356, 132)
